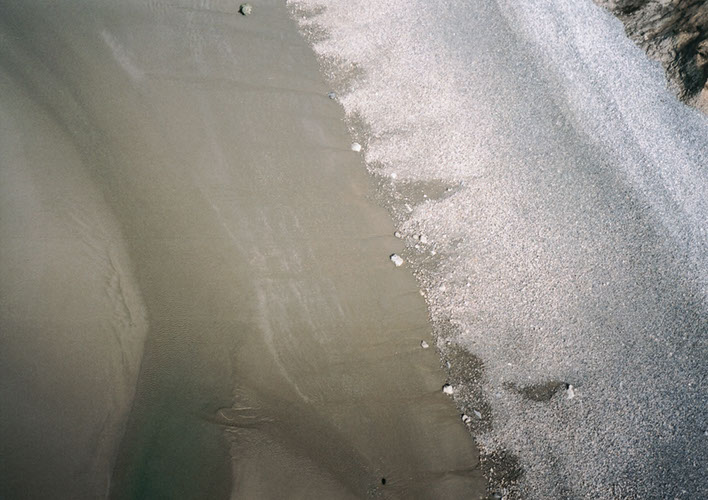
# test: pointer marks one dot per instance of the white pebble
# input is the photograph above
(332, 95)
(356, 147)
(424, 344)
(398, 234)
(477, 414)
(416, 237)
(245, 9)
(570, 392)
(394, 175)
(396, 259)
(447, 389)
(423, 239)
(466, 419)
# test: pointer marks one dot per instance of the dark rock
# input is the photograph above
(676, 34)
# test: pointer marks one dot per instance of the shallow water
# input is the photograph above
(278, 347)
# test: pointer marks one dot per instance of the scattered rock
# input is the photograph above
(447, 389)
(398, 234)
(332, 95)
(245, 9)
(477, 414)
(356, 147)
(423, 239)
(396, 259)
(466, 419)
(424, 344)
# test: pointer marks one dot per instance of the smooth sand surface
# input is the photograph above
(175, 172)
(72, 320)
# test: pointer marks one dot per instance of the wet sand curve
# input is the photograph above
(282, 351)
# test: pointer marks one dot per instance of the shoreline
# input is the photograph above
(562, 208)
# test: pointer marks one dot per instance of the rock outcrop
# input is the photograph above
(675, 32)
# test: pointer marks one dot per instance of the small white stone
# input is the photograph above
(466, 419)
(245, 9)
(423, 239)
(447, 389)
(394, 175)
(477, 414)
(332, 95)
(433, 252)
(356, 147)
(424, 344)
(416, 237)
(398, 234)
(396, 259)
(570, 392)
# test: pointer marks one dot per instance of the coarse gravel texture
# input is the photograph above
(563, 194)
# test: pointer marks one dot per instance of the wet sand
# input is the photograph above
(175, 174)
